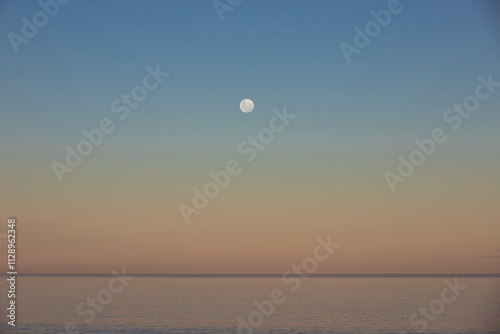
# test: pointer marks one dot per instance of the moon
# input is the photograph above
(246, 105)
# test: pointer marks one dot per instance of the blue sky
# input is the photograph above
(276, 53)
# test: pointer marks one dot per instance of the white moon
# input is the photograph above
(246, 105)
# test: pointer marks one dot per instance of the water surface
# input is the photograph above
(213, 305)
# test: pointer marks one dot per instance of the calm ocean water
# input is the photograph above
(213, 305)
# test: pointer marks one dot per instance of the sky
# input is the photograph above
(323, 174)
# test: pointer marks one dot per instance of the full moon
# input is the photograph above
(246, 105)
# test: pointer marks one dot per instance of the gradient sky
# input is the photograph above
(322, 175)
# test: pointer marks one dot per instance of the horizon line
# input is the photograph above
(256, 275)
